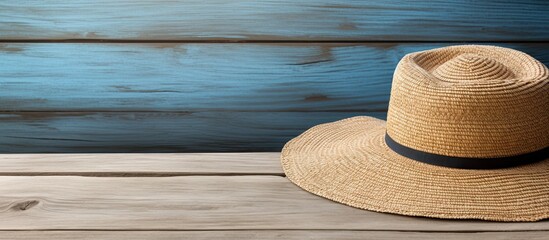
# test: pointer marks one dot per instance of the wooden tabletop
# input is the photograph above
(198, 196)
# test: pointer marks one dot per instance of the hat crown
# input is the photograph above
(472, 67)
(470, 101)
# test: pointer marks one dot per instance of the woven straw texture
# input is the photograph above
(452, 101)
(470, 101)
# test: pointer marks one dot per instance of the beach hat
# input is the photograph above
(466, 137)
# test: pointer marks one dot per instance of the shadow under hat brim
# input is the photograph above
(347, 161)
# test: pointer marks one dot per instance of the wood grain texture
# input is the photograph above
(152, 164)
(269, 235)
(86, 132)
(189, 97)
(446, 20)
(205, 77)
(197, 203)
(196, 77)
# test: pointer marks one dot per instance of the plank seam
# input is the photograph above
(224, 41)
(200, 111)
(274, 229)
(134, 174)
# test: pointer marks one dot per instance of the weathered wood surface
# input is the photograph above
(205, 77)
(326, 20)
(150, 164)
(197, 203)
(189, 97)
(86, 132)
(189, 77)
(270, 235)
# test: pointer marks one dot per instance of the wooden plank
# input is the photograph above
(205, 77)
(126, 132)
(153, 164)
(195, 77)
(197, 203)
(441, 20)
(269, 235)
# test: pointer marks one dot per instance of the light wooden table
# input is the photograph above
(198, 196)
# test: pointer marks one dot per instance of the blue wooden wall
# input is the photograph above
(221, 75)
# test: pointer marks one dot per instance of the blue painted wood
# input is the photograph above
(446, 20)
(157, 132)
(194, 77)
(204, 77)
(189, 97)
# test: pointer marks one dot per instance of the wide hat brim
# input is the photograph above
(347, 161)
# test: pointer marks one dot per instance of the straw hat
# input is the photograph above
(466, 137)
